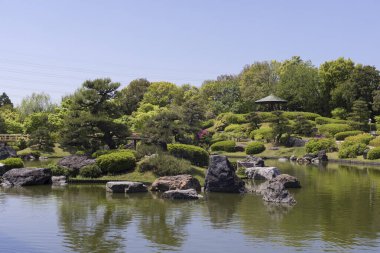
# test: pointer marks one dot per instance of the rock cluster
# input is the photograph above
(313, 158)
(126, 187)
(181, 194)
(180, 182)
(262, 173)
(26, 176)
(59, 180)
(75, 162)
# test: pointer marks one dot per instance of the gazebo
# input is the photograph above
(273, 102)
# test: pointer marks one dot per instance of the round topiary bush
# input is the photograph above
(342, 135)
(351, 149)
(196, 155)
(332, 129)
(165, 165)
(12, 163)
(361, 138)
(57, 170)
(315, 145)
(91, 171)
(228, 146)
(263, 133)
(116, 162)
(254, 147)
(374, 153)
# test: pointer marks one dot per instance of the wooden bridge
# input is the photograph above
(13, 137)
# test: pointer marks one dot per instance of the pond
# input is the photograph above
(338, 209)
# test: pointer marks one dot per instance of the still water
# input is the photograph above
(338, 210)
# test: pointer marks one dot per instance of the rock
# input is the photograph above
(181, 194)
(315, 160)
(126, 187)
(6, 151)
(221, 177)
(180, 182)
(276, 192)
(59, 180)
(295, 142)
(322, 156)
(283, 159)
(27, 176)
(262, 173)
(365, 153)
(75, 162)
(293, 158)
(287, 180)
(302, 160)
(251, 161)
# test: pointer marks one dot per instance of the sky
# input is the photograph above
(53, 46)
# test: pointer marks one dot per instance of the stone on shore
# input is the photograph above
(75, 162)
(276, 192)
(179, 182)
(181, 194)
(59, 180)
(221, 176)
(126, 187)
(287, 180)
(26, 176)
(6, 151)
(262, 173)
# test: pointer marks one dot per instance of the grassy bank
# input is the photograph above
(57, 152)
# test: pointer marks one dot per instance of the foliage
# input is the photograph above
(35, 153)
(228, 146)
(374, 153)
(116, 162)
(339, 113)
(263, 133)
(91, 171)
(207, 123)
(41, 139)
(147, 150)
(360, 138)
(350, 149)
(266, 116)
(161, 94)
(221, 136)
(360, 115)
(332, 129)
(306, 115)
(315, 145)
(375, 142)
(100, 152)
(280, 126)
(342, 135)
(57, 170)
(325, 120)
(5, 100)
(196, 155)
(131, 96)
(165, 165)
(37, 102)
(12, 163)
(254, 147)
(302, 126)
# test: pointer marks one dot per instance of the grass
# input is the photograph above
(57, 152)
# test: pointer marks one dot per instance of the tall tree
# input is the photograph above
(37, 102)
(161, 94)
(132, 95)
(92, 116)
(5, 100)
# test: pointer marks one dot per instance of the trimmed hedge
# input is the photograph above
(315, 145)
(325, 120)
(228, 146)
(266, 116)
(91, 171)
(264, 133)
(116, 162)
(342, 135)
(232, 118)
(196, 155)
(12, 163)
(374, 153)
(375, 142)
(57, 170)
(236, 128)
(332, 129)
(306, 115)
(110, 151)
(254, 147)
(350, 149)
(165, 165)
(361, 138)
(207, 124)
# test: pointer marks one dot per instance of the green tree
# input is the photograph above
(360, 115)
(5, 100)
(161, 94)
(41, 139)
(280, 126)
(92, 116)
(3, 128)
(133, 94)
(37, 102)
(254, 121)
(303, 126)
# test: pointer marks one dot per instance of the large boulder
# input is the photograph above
(75, 162)
(287, 180)
(251, 161)
(126, 187)
(179, 182)
(221, 177)
(6, 151)
(181, 194)
(262, 173)
(294, 142)
(276, 192)
(26, 176)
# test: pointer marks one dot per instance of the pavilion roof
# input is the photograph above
(271, 99)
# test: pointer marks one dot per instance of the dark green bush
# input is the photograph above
(254, 147)
(332, 129)
(196, 155)
(228, 146)
(266, 116)
(91, 171)
(12, 163)
(342, 135)
(306, 115)
(325, 120)
(207, 124)
(116, 162)
(351, 149)
(110, 151)
(361, 138)
(263, 133)
(165, 165)
(374, 153)
(315, 145)
(57, 170)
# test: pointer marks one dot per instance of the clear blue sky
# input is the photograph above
(53, 46)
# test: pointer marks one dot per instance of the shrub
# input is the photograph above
(57, 170)
(165, 165)
(254, 147)
(35, 153)
(303, 126)
(315, 145)
(375, 142)
(145, 149)
(91, 171)
(306, 115)
(351, 149)
(374, 153)
(228, 146)
(325, 120)
(98, 153)
(339, 113)
(232, 118)
(332, 129)
(116, 162)
(266, 116)
(264, 133)
(342, 135)
(361, 138)
(12, 163)
(235, 128)
(196, 155)
(207, 124)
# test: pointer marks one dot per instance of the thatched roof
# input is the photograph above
(271, 99)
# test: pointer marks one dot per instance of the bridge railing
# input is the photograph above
(13, 137)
